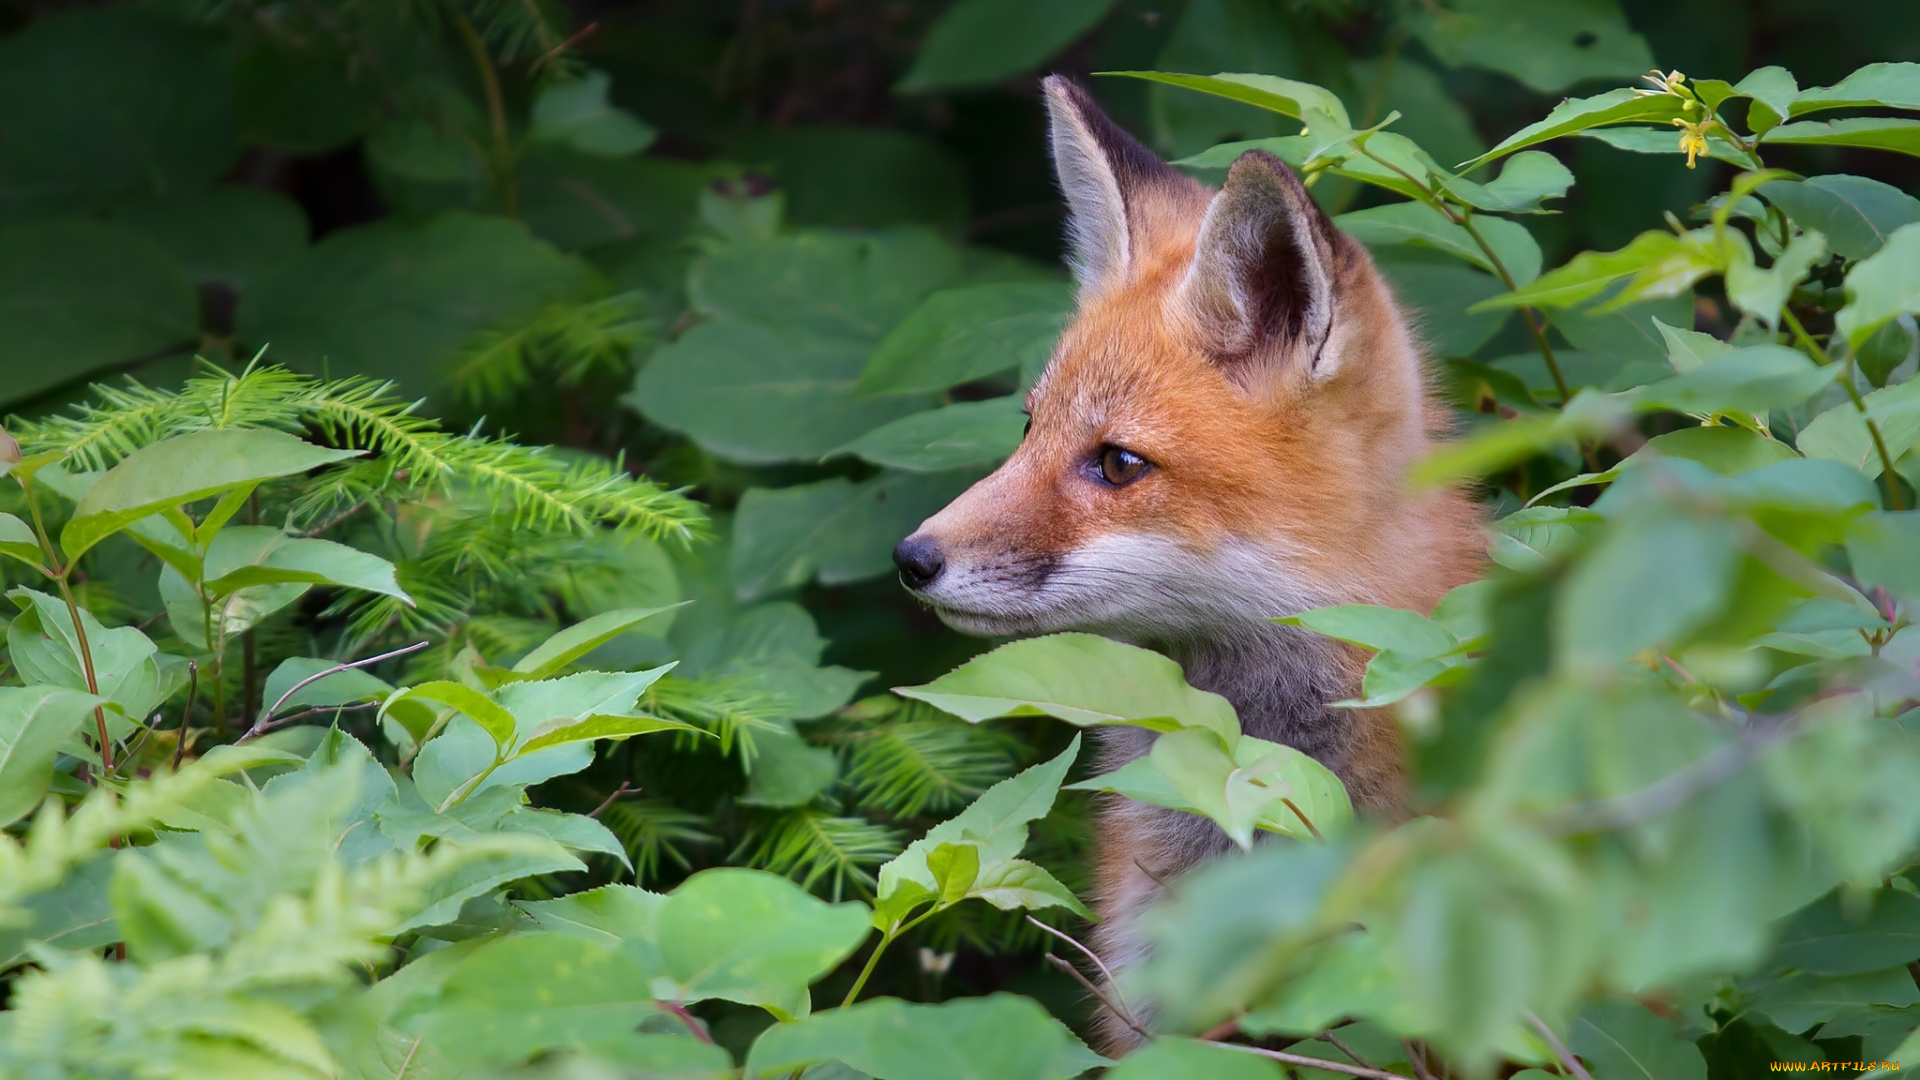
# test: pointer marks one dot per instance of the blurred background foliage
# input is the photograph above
(795, 256)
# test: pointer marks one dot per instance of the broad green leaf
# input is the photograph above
(400, 297)
(847, 177)
(1771, 91)
(1840, 433)
(616, 916)
(1799, 1001)
(576, 641)
(108, 103)
(967, 433)
(1287, 97)
(1251, 786)
(45, 648)
(82, 296)
(1855, 214)
(1378, 628)
(1664, 140)
(995, 823)
(17, 539)
(1500, 445)
(1835, 937)
(1170, 1058)
(1016, 884)
(242, 556)
(1418, 223)
(984, 41)
(1881, 286)
(1872, 133)
(575, 832)
(1728, 451)
(958, 335)
(493, 719)
(1688, 349)
(1440, 291)
(561, 732)
(1525, 181)
(1620, 1040)
(1549, 47)
(1748, 380)
(229, 234)
(1082, 679)
(183, 469)
(1651, 580)
(74, 915)
(1655, 265)
(502, 860)
(1623, 106)
(1762, 293)
(1895, 86)
(576, 112)
(833, 530)
(1529, 539)
(955, 867)
(34, 722)
(515, 997)
(755, 938)
(850, 287)
(1880, 546)
(999, 1036)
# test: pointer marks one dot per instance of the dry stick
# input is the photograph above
(496, 116)
(265, 722)
(1103, 999)
(1120, 1010)
(1417, 1057)
(1820, 355)
(1559, 1048)
(1285, 1058)
(1345, 1049)
(186, 715)
(551, 54)
(617, 792)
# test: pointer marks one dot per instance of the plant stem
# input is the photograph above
(1285, 1058)
(60, 575)
(1559, 1048)
(873, 961)
(1820, 356)
(496, 117)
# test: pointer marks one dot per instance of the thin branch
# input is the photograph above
(1304, 820)
(1087, 984)
(1285, 1058)
(693, 1023)
(265, 724)
(1559, 1048)
(1417, 1057)
(617, 792)
(1820, 355)
(186, 715)
(550, 55)
(1120, 1010)
(1345, 1049)
(496, 116)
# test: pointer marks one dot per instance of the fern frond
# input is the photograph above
(921, 762)
(653, 830)
(566, 342)
(730, 711)
(811, 845)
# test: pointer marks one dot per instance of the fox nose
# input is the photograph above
(919, 560)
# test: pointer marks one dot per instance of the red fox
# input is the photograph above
(1221, 436)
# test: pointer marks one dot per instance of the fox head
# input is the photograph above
(1223, 430)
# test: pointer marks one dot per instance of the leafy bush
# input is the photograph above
(323, 720)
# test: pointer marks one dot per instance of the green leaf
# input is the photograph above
(967, 433)
(82, 296)
(183, 469)
(401, 297)
(1288, 97)
(1726, 450)
(1880, 546)
(1170, 1058)
(1656, 264)
(493, 719)
(1082, 679)
(1762, 293)
(1525, 181)
(576, 641)
(1881, 286)
(1441, 293)
(1688, 349)
(561, 732)
(517, 996)
(958, 335)
(1250, 786)
(576, 112)
(1548, 47)
(228, 234)
(1623, 106)
(18, 540)
(1894, 86)
(75, 915)
(984, 41)
(838, 176)
(1872, 133)
(996, 824)
(755, 938)
(1840, 433)
(1418, 223)
(1798, 1002)
(1651, 580)
(1855, 214)
(243, 556)
(1838, 936)
(999, 1036)
(833, 530)
(1749, 380)
(111, 102)
(339, 688)
(45, 648)
(1664, 140)
(1620, 1040)
(1016, 884)
(955, 867)
(1378, 628)
(34, 722)
(1530, 539)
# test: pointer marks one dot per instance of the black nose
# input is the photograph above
(919, 560)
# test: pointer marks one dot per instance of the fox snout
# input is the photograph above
(920, 561)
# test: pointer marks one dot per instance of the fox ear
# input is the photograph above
(1105, 173)
(1261, 283)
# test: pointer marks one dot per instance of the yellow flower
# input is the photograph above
(1693, 137)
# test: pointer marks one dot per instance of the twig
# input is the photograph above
(617, 792)
(547, 57)
(1087, 984)
(1226, 1029)
(1345, 1049)
(1820, 355)
(1285, 1058)
(496, 116)
(1417, 1057)
(186, 715)
(265, 721)
(698, 1029)
(1304, 820)
(1559, 1048)
(1118, 1009)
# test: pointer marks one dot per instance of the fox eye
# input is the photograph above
(1120, 467)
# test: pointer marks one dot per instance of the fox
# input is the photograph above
(1221, 436)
